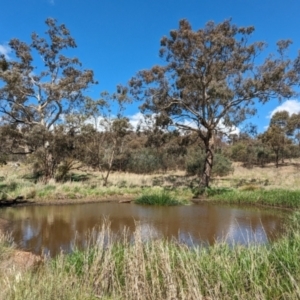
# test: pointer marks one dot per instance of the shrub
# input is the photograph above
(222, 165)
(144, 161)
(158, 198)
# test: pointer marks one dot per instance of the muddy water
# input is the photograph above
(51, 229)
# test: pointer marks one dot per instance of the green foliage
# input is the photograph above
(62, 172)
(208, 192)
(222, 165)
(46, 191)
(157, 198)
(78, 261)
(263, 155)
(238, 152)
(144, 161)
(7, 189)
(195, 162)
(250, 152)
(294, 222)
(280, 136)
(278, 197)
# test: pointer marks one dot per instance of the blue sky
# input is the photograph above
(117, 38)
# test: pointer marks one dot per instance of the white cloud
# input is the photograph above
(191, 124)
(220, 127)
(226, 129)
(5, 50)
(136, 119)
(291, 106)
(139, 119)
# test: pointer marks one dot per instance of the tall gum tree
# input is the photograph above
(36, 94)
(210, 78)
(33, 98)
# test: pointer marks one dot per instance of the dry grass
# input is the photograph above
(86, 186)
(287, 176)
(14, 182)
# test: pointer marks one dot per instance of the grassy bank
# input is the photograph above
(256, 186)
(86, 187)
(165, 270)
(275, 198)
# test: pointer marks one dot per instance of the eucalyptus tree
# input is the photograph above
(275, 138)
(210, 79)
(40, 93)
(282, 135)
(116, 129)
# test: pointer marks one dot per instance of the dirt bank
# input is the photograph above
(64, 201)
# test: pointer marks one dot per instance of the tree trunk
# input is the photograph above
(105, 179)
(49, 166)
(208, 164)
(277, 159)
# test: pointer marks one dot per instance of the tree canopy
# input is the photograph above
(32, 97)
(211, 77)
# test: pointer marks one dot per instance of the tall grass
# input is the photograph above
(160, 197)
(276, 197)
(133, 269)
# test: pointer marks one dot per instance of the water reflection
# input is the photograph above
(53, 228)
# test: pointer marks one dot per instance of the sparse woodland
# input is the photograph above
(210, 81)
(58, 143)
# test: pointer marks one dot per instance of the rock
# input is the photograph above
(25, 260)
(125, 201)
(20, 261)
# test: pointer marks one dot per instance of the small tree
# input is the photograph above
(278, 135)
(116, 130)
(210, 77)
(294, 127)
(275, 139)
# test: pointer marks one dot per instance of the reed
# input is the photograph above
(162, 198)
(134, 269)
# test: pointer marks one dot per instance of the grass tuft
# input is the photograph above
(158, 198)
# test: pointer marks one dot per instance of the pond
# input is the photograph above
(51, 229)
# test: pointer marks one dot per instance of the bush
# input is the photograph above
(144, 161)
(158, 198)
(222, 165)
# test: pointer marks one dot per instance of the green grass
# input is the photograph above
(278, 197)
(175, 190)
(133, 269)
(162, 198)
